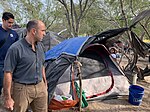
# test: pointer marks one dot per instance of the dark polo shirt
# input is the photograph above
(24, 63)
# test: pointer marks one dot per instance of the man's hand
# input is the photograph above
(8, 101)
(9, 104)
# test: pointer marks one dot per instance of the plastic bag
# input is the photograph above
(64, 104)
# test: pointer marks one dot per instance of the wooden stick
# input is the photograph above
(80, 83)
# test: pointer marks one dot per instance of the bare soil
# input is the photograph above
(117, 105)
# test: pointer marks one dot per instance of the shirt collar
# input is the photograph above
(27, 44)
(4, 29)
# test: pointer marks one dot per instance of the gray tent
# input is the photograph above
(101, 76)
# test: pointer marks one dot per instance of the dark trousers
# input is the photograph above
(1, 78)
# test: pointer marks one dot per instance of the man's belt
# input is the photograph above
(35, 83)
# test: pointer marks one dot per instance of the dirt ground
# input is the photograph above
(122, 104)
(117, 105)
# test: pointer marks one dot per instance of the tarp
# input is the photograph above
(70, 46)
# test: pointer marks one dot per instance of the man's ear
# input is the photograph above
(34, 31)
(3, 20)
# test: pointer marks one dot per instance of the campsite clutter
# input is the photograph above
(91, 52)
(99, 77)
(63, 101)
(97, 82)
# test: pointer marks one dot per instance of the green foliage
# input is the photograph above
(101, 15)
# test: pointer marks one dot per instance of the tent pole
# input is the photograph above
(80, 83)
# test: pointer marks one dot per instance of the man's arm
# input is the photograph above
(9, 103)
(44, 75)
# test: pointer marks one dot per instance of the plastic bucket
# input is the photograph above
(135, 94)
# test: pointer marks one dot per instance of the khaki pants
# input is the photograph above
(33, 95)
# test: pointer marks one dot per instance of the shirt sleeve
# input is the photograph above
(10, 61)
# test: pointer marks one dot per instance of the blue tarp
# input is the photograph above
(70, 46)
